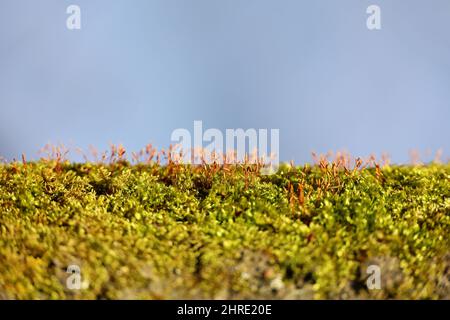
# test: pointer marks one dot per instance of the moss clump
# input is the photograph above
(174, 231)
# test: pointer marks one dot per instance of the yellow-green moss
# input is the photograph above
(160, 232)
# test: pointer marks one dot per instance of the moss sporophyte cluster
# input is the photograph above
(174, 231)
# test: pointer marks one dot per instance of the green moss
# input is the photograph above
(160, 232)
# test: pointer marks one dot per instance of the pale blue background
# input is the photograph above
(139, 69)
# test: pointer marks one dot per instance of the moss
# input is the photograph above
(174, 231)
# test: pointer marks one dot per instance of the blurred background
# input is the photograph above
(139, 69)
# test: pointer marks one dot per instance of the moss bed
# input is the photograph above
(223, 232)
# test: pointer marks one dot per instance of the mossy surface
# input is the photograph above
(173, 232)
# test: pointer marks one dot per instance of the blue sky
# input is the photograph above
(139, 69)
